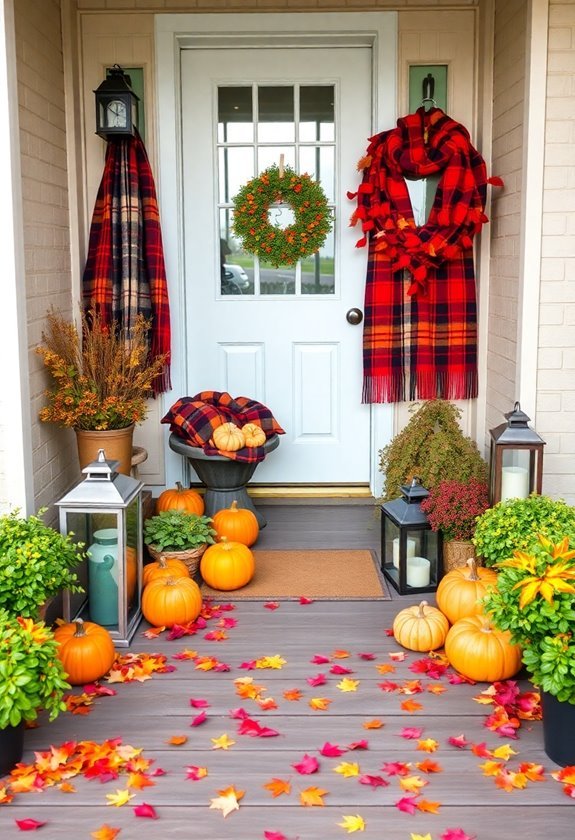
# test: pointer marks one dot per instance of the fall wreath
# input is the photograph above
(274, 244)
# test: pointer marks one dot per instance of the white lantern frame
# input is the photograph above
(106, 494)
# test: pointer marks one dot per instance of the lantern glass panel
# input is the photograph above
(516, 473)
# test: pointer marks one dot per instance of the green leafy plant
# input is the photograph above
(535, 600)
(452, 507)
(515, 524)
(31, 675)
(36, 562)
(177, 530)
(432, 447)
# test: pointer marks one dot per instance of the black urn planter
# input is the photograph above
(558, 729)
(11, 747)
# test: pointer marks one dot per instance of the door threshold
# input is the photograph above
(310, 491)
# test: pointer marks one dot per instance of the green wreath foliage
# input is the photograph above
(273, 244)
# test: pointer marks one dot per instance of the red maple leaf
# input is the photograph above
(307, 765)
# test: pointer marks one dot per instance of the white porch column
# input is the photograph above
(16, 488)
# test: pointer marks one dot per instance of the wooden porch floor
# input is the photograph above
(146, 715)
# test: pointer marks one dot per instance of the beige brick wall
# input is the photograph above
(556, 359)
(507, 159)
(46, 218)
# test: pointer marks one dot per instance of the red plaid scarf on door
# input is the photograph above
(125, 274)
(420, 333)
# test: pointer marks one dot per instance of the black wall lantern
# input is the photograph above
(116, 105)
(411, 553)
(516, 464)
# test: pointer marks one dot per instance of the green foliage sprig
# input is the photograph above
(535, 600)
(432, 447)
(515, 524)
(31, 675)
(452, 507)
(36, 563)
(176, 530)
(274, 244)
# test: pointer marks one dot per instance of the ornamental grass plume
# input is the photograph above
(452, 507)
(102, 375)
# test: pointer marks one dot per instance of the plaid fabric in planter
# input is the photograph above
(193, 419)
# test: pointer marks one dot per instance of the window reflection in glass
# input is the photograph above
(316, 109)
(277, 281)
(236, 166)
(236, 267)
(318, 161)
(276, 114)
(235, 115)
(317, 271)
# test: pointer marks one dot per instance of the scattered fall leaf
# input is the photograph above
(407, 804)
(277, 787)
(504, 751)
(428, 745)
(308, 764)
(312, 796)
(413, 732)
(275, 662)
(226, 803)
(177, 740)
(428, 807)
(412, 784)
(332, 750)
(373, 724)
(373, 781)
(411, 706)
(105, 832)
(347, 769)
(121, 797)
(352, 823)
(198, 702)
(428, 766)
(459, 741)
(456, 834)
(319, 703)
(293, 694)
(272, 605)
(145, 810)
(199, 719)
(29, 824)
(223, 742)
(347, 685)
(195, 773)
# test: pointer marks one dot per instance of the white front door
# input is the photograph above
(278, 335)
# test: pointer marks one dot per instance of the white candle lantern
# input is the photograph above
(104, 512)
(410, 551)
(516, 464)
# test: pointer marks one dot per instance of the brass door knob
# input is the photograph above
(354, 316)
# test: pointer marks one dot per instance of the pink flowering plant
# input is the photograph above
(452, 507)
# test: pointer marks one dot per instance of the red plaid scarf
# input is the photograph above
(125, 274)
(420, 305)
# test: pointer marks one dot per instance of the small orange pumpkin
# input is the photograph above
(254, 435)
(420, 627)
(180, 498)
(169, 601)
(228, 437)
(165, 567)
(85, 649)
(236, 524)
(480, 652)
(460, 591)
(227, 565)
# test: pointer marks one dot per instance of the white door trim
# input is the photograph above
(173, 32)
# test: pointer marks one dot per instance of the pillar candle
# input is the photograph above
(410, 550)
(514, 483)
(418, 571)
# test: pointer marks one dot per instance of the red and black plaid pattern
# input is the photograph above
(420, 331)
(194, 419)
(125, 275)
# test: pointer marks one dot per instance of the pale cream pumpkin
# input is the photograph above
(254, 434)
(228, 437)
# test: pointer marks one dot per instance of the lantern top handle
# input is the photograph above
(101, 469)
(517, 417)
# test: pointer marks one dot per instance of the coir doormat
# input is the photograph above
(320, 574)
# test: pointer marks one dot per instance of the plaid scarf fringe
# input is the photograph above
(422, 386)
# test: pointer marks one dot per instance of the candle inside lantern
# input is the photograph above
(418, 571)
(410, 550)
(514, 483)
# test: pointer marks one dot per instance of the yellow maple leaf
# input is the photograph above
(427, 745)
(347, 769)
(504, 751)
(319, 703)
(277, 786)
(348, 685)
(412, 784)
(312, 796)
(105, 832)
(121, 797)
(226, 804)
(276, 662)
(5, 797)
(222, 743)
(491, 768)
(352, 823)
(420, 836)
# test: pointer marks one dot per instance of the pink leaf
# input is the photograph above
(198, 703)
(29, 824)
(368, 656)
(339, 669)
(395, 768)
(274, 835)
(307, 765)
(303, 600)
(455, 834)
(411, 732)
(158, 772)
(145, 810)
(248, 666)
(407, 804)
(255, 729)
(331, 750)
(459, 741)
(358, 745)
(374, 781)
(199, 719)
(318, 659)
(321, 679)
(239, 714)
(99, 690)
(271, 605)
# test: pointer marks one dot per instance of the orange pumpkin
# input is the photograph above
(236, 524)
(227, 565)
(169, 601)
(460, 590)
(480, 652)
(254, 435)
(165, 567)
(85, 649)
(420, 627)
(180, 498)
(228, 437)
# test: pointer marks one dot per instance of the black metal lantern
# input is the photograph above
(411, 553)
(516, 463)
(116, 105)
(104, 512)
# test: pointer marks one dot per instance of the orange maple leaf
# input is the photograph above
(293, 694)
(266, 703)
(312, 796)
(429, 766)
(66, 787)
(386, 668)
(427, 745)
(140, 781)
(319, 703)
(277, 787)
(491, 768)
(373, 724)
(411, 706)
(534, 772)
(340, 654)
(428, 807)
(411, 687)
(105, 832)
(436, 688)
(177, 740)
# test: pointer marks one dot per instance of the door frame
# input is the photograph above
(377, 30)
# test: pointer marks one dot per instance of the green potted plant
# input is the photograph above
(535, 600)
(177, 533)
(36, 563)
(31, 678)
(515, 523)
(102, 377)
(452, 507)
(432, 447)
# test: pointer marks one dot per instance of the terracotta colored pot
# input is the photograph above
(456, 553)
(116, 443)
